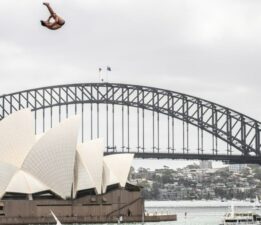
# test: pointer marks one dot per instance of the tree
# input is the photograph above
(155, 191)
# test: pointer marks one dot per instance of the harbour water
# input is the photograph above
(197, 212)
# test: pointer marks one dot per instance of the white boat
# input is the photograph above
(241, 218)
(257, 204)
(56, 219)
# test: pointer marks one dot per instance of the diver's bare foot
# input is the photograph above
(46, 3)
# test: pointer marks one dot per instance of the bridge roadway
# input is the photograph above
(232, 159)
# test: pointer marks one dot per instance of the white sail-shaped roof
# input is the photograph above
(7, 171)
(51, 161)
(119, 165)
(25, 183)
(83, 179)
(52, 158)
(108, 177)
(91, 154)
(16, 137)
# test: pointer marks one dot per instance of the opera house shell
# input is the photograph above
(54, 163)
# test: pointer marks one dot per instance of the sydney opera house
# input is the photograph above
(52, 172)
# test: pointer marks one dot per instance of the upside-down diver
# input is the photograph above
(54, 21)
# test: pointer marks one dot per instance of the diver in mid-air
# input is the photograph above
(54, 21)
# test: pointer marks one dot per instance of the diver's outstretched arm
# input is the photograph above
(49, 8)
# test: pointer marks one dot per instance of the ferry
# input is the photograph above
(241, 218)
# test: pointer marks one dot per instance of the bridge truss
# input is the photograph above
(235, 129)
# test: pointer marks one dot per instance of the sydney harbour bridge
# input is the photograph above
(150, 122)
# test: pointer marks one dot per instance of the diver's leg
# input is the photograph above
(49, 8)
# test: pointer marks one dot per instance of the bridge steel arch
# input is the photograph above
(236, 129)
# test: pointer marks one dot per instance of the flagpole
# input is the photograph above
(108, 69)
(100, 74)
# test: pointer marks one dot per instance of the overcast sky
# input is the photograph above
(206, 48)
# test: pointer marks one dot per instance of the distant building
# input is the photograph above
(205, 164)
(236, 168)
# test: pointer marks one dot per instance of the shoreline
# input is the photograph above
(197, 203)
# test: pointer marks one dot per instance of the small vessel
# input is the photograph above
(241, 218)
(56, 219)
(257, 204)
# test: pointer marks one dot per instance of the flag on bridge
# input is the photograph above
(100, 74)
(108, 69)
